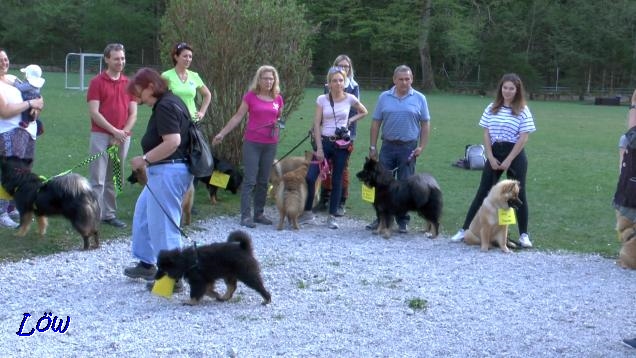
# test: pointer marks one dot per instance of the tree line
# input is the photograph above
(576, 44)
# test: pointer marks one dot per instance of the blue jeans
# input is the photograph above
(338, 157)
(152, 229)
(395, 155)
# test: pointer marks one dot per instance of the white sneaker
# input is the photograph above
(331, 222)
(524, 241)
(307, 217)
(14, 214)
(6, 221)
(459, 236)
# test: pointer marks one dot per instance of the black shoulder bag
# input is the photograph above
(199, 155)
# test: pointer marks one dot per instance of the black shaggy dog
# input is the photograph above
(233, 185)
(68, 195)
(420, 193)
(201, 266)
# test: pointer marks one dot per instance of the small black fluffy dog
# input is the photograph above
(68, 195)
(201, 266)
(233, 185)
(419, 192)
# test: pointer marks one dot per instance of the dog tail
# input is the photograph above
(76, 189)
(242, 238)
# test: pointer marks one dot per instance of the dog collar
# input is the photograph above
(195, 265)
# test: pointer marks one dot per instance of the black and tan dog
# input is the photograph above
(68, 195)
(225, 167)
(202, 266)
(420, 193)
(485, 229)
(140, 176)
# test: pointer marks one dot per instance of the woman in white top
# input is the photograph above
(333, 142)
(507, 122)
(15, 141)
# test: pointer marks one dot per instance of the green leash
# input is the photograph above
(113, 154)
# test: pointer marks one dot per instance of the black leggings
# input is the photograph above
(489, 177)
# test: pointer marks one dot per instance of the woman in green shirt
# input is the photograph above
(185, 84)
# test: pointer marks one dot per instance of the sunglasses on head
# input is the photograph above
(181, 46)
(336, 70)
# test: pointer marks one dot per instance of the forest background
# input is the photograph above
(568, 49)
(580, 45)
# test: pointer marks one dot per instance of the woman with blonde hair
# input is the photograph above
(352, 87)
(333, 139)
(263, 105)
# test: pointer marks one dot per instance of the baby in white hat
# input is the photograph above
(30, 89)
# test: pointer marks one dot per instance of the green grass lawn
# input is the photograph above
(572, 173)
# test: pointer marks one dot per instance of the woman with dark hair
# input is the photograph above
(184, 83)
(507, 122)
(164, 144)
(15, 141)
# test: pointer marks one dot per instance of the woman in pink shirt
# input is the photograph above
(264, 106)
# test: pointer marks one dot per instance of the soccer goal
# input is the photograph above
(80, 68)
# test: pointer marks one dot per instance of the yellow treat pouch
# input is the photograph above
(368, 193)
(219, 179)
(164, 286)
(4, 195)
(507, 216)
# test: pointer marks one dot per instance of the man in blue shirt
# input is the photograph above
(402, 115)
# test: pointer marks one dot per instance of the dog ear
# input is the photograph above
(511, 187)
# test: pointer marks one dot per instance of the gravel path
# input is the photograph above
(335, 293)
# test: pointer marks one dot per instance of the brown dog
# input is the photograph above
(485, 228)
(291, 195)
(285, 165)
(140, 176)
(627, 235)
(231, 261)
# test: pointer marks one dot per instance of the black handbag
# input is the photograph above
(199, 156)
(200, 161)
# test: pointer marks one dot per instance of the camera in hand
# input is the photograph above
(343, 133)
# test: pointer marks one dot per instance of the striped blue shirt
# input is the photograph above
(504, 126)
(401, 117)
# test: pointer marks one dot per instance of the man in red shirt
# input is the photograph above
(113, 114)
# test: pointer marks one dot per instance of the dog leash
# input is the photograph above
(293, 149)
(195, 265)
(113, 154)
(166, 212)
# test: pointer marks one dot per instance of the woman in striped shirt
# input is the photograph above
(507, 122)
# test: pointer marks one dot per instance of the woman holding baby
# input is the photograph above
(15, 141)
